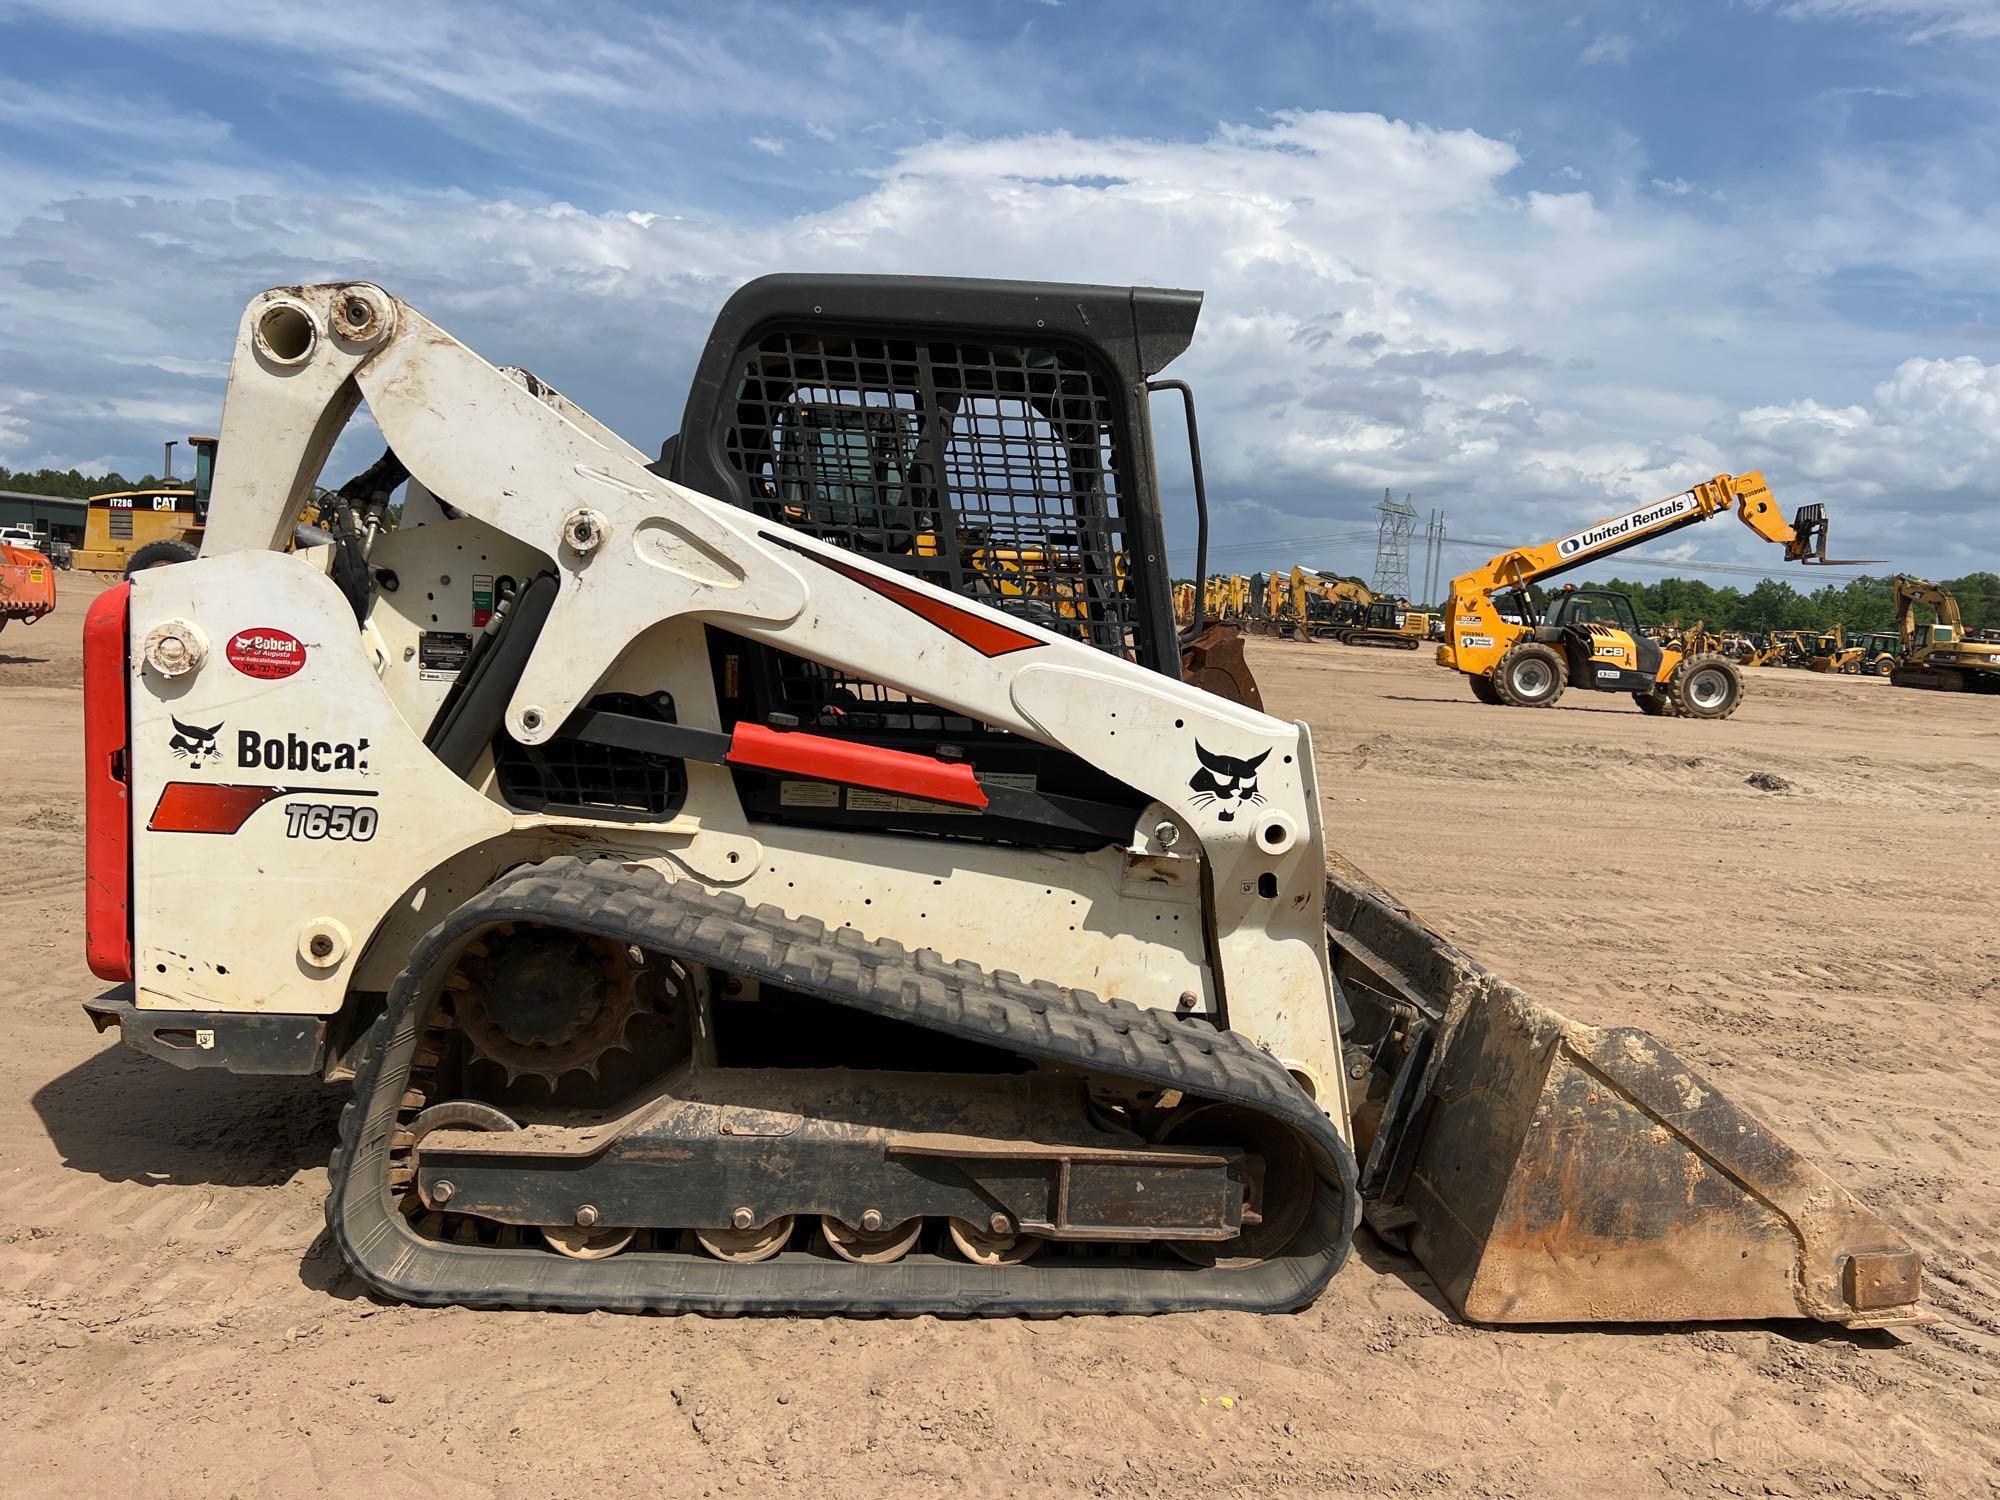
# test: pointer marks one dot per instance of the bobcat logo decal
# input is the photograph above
(1226, 781)
(194, 744)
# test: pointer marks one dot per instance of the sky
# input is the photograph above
(1528, 264)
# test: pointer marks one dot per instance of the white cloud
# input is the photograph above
(586, 72)
(1934, 425)
(770, 145)
(1384, 307)
(1613, 48)
(1917, 20)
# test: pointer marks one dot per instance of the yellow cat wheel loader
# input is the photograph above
(719, 901)
(1591, 638)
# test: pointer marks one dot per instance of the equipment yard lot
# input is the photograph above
(174, 1322)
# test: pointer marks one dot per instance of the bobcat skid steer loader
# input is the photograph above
(724, 894)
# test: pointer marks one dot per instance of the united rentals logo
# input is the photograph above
(194, 744)
(1593, 537)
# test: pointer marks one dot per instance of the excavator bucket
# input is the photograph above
(1213, 661)
(1548, 1172)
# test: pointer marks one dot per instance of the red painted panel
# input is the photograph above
(107, 801)
(204, 807)
(855, 765)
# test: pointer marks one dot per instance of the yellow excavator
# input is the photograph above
(1938, 656)
(1591, 637)
(1339, 604)
(1387, 622)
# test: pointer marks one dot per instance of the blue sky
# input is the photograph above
(1526, 263)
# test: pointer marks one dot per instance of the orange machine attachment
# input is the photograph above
(27, 585)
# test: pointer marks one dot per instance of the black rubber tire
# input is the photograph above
(158, 555)
(1482, 689)
(1706, 686)
(1882, 666)
(1655, 703)
(1530, 675)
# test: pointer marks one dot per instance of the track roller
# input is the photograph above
(871, 1247)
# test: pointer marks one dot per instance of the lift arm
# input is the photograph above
(1747, 494)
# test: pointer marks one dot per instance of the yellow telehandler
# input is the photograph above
(1591, 637)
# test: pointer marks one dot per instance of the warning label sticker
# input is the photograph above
(808, 794)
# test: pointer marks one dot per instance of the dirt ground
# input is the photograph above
(172, 1321)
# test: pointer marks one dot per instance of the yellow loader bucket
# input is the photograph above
(1547, 1172)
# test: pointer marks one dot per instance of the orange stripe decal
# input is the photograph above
(198, 807)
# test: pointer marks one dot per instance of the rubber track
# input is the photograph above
(1037, 1020)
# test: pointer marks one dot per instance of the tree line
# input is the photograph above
(1859, 604)
(70, 484)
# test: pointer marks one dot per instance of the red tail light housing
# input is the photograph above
(107, 791)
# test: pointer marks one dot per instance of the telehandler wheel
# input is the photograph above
(1655, 703)
(1483, 689)
(1530, 675)
(1706, 686)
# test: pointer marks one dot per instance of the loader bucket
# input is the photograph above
(1548, 1172)
(1213, 661)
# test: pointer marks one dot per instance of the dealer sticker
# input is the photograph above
(1475, 640)
(265, 653)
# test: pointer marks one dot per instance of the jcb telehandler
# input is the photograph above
(720, 901)
(1591, 637)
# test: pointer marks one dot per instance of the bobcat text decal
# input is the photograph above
(269, 752)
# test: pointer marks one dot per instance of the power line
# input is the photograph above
(1492, 545)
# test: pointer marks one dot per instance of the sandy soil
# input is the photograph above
(172, 1321)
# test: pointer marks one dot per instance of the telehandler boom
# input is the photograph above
(721, 898)
(1592, 638)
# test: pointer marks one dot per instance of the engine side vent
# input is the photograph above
(568, 775)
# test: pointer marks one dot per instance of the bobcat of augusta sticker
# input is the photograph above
(1475, 640)
(1225, 782)
(266, 653)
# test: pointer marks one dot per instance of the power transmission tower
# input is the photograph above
(1434, 578)
(1392, 546)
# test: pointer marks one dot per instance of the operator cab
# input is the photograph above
(1598, 633)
